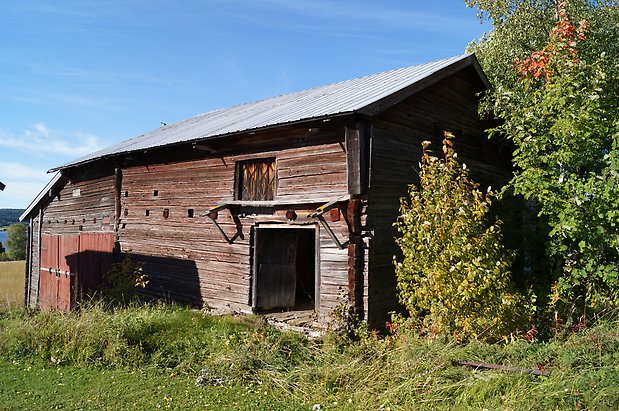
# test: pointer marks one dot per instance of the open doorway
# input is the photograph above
(284, 268)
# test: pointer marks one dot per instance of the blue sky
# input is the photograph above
(79, 75)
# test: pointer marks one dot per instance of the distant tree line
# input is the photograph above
(9, 216)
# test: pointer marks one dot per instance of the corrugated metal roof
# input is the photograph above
(334, 99)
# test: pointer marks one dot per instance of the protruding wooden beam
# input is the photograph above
(509, 368)
(356, 258)
(357, 157)
(118, 176)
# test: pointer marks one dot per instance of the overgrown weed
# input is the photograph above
(397, 372)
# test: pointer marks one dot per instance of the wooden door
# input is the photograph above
(275, 276)
(69, 259)
(57, 273)
(48, 284)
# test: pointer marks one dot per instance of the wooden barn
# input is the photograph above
(281, 204)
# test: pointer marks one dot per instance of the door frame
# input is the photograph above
(254, 266)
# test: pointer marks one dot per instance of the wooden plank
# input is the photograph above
(357, 158)
(68, 257)
(501, 367)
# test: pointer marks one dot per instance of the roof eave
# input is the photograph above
(200, 139)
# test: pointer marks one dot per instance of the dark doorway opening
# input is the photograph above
(284, 268)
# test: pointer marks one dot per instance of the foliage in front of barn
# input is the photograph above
(455, 274)
(149, 357)
(122, 283)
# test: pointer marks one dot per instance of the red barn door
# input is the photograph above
(69, 261)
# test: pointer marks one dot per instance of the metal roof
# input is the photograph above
(341, 98)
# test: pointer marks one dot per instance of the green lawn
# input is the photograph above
(12, 283)
(28, 386)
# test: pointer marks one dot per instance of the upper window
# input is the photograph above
(256, 180)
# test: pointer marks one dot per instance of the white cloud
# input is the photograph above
(23, 183)
(19, 194)
(41, 138)
(19, 172)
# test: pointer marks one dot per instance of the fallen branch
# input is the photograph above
(478, 365)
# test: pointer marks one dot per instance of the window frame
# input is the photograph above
(239, 179)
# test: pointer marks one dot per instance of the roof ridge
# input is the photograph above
(338, 98)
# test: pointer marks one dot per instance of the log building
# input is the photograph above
(285, 203)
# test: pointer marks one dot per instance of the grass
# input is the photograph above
(28, 386)
(145, 357)
(12, 283)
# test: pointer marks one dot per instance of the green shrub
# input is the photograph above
(123, 281)
(554, 68)
(454, 277)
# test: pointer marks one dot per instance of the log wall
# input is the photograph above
(80, 203)
(163, 223)
(396, 151)
(84, 203)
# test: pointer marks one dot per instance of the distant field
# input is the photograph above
(12, 283)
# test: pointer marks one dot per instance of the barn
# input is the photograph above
(281, 204)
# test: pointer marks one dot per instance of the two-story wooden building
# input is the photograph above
(285, 203)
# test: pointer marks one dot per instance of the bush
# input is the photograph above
(454, 277)
(123, 281)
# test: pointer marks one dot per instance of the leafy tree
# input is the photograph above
(557, 94)
(455, 275)
(17, 241)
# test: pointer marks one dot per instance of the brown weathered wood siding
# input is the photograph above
(84, 203)
(396, 151)
(32, 280)
(186, 257)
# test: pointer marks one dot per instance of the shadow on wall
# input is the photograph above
(171, 279)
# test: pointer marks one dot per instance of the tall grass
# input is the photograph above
(12, 283)
(401, 373)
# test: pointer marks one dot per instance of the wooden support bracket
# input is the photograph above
(319, 216)
(211, 215)
(331, 234)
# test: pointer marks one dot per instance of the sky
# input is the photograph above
(80, 75)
